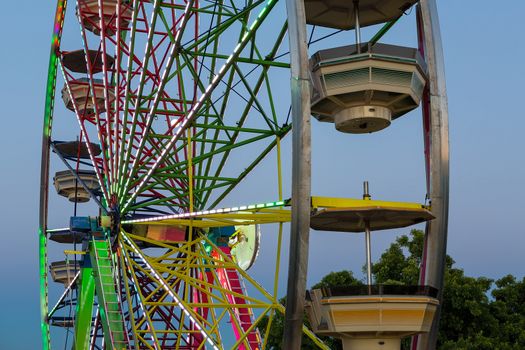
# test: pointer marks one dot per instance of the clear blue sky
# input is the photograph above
(484, 51)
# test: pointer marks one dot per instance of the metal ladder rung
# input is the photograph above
(116, 322)
(102, 265)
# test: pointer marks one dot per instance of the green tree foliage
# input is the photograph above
(508, 308)
(338, 279)
(275, 336)
(470, 319)
(477, 313)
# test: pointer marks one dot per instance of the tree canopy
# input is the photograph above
(477, 312)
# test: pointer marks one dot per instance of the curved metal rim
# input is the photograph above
(435, 115)
(44, 167)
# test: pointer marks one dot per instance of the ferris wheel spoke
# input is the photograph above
(158, 92)
(149, 118)
(229, 83)
(165, 196)
(155, 276)
(102, 124)
(246, 171)
(116, 81)
(223, 153)
(242, 119)
(106, 69)
(132, 96)
(152, 154)
(216, 182)
(150, 51)
(192, 114)
(224, 97)
(147, 55)
(81, 118)
(77, 176)
(131, 283)
(125, 85)
(244, 115)
(61, 301)
(182, 268)
(171, 161)
(212, 34)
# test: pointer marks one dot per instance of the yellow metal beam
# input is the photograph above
(264, 215)
(74, 252)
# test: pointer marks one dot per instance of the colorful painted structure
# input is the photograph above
(174, 104)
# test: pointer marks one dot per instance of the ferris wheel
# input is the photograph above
(169, 106)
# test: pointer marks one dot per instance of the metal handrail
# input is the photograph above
(102, 286)
(380, 289)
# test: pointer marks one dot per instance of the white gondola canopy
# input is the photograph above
(67, 185)
(363, 92)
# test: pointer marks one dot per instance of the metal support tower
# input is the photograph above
(435, 114)
(301, 175)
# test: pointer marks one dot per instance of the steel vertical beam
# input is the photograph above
(357, 27)
(44, 168)
(433, 267)
(85, 306)
(301, 176)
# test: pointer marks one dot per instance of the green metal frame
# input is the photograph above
(46, 137)
(85, 307)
